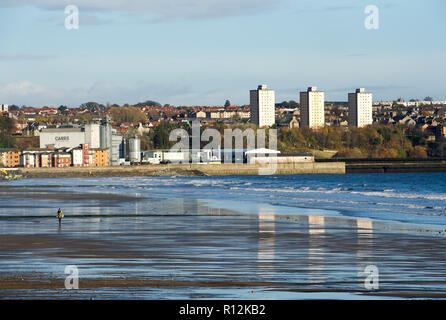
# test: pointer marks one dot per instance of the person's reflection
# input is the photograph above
(316, 249)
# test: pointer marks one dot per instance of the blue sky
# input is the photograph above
(201, 52)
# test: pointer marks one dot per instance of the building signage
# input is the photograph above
(63, 138)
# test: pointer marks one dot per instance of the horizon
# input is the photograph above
(192, 106)
(203, 53)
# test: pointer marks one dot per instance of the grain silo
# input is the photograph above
(135, 149)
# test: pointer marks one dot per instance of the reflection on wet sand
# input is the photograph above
(132, 249)
(364, 253)
(316, 260)
(365, 238)
(266, 242)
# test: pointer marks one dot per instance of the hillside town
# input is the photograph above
(110, 135)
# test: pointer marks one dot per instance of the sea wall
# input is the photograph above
(400, 167)
(391, 165)
(186, 170)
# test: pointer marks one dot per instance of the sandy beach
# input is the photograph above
(198, 249)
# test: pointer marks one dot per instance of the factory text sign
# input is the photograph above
(62, 138)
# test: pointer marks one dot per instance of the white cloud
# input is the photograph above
(34, 94)
(157, 9)
(22, 89)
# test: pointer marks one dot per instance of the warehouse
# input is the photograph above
(62, 137)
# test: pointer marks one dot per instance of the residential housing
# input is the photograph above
(9, 158)
(100, 157)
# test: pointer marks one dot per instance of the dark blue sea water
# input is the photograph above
(418, 198)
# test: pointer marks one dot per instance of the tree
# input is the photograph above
(418, 152)
(127, 114)
(7, 127)
(63, 110)
(227, 103)
(437, 148)
(293, 104)
(428, 99)
(148, 103)
(92, 106)
(86, 117)
(288, 104)
(161, 136)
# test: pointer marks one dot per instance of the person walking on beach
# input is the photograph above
(60, 215)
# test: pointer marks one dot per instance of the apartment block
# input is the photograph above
(100, 157)
(262, 106)
(9, 158)
(360, 108)
(312, 108)
(61, 159)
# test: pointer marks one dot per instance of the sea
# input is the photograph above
(414, 198)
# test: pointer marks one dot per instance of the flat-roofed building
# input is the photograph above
(61, 159)
(45, 160)
(9, 158)
(62, 137)
(312, 108)
(96, 135)
(30, 158)
(101, 157)
(93, 135)
(36, 158)
(118, 148)
(360, 112)
(77, 157)
(262, 106)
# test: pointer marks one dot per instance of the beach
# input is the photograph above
(208, 238)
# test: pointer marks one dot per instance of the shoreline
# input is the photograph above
(320, 166)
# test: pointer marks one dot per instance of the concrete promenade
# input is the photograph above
(185, 169)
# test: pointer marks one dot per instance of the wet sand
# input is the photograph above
(184, 249)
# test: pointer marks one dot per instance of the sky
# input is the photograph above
(202, 52)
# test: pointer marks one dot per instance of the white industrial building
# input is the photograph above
(3, 108)
(166, 156)
(62, 137)
(360, 108)
(93, 135)
(117, 149)
(312, 108)
(96, 135)
(262, 106)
